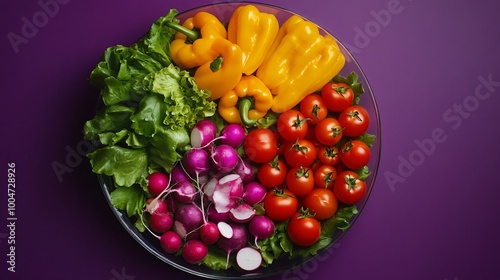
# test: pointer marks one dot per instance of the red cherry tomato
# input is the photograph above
(328, 131)
(280, 205)
(302, 152)
(313, 107)
(349, 188)
(355, 154)
(303, 229)
(337, 96)
(300, 180)
(355, 121)
(292, 125)
(260, 145)
(329, 155)
(272, 174)
(324, 176)
(322, 203)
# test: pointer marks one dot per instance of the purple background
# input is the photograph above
(439, 221)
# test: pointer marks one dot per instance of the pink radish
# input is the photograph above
(161, 222)
(242, 213)
(232, 135)
(170, 242)
(248, 258)
(261, 227)
(225, 229)
(196, 162)
(188, 218)
(157, 183)
(203, 133)
(209, 233)
(227, 192)
(237, 241)
(156, 205)
(224, 158)
(215, 216)
(194, 251)
(178, 175)
(254, 193)
(184, 192)
(209, 188)
(245, 169)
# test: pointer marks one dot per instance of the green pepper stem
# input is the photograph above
(191, 34)
(244, 107)
(216, 64)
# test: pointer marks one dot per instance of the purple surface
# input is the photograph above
(432, 213)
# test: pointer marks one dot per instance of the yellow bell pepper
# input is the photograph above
(248, 86)
(300, 62)
(191, 46)
(254, 32)
(224, 72)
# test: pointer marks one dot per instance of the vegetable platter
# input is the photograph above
(235, 139)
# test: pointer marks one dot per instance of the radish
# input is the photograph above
(254, 193)
(178, 175)
(157, 183)
(215, 216)
(261, 227)
(227, 192)
(185, 192)
(170, 242)
(209, 188)
(224, 158)
(156, 205)
(203, 133)
(245, 169)
(161, 222)
(225, 229)
(188, 218)
(248, 258)
(172, 203)
(232, 135)
(209, 233)
(242, 213)
(196, 162)
(237, 241)
(194, 251)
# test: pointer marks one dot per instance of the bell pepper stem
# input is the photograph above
(244, 107)
(191, 34)
(216, 64)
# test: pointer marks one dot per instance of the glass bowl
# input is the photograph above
(223, 11)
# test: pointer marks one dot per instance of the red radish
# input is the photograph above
(225, 229)
(254, 193)
(157, 183)
(172, 203)
(215, 216)
(209, 233)
(196, 162)
(156, 205)
(185, 192)
(232, 135)
(188, 218)
(242, 213)
(237, 241)
(194, 251)
(209, 188)
(170, 242)
(245, 169)
(161, 222)
(178, 175)
(248, 258)
(203, 133)
(227, 192)
(261, 227)
(224, 158)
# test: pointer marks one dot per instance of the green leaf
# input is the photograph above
(165, 146)
(216, 259)
(149, 116)
(128, 199)
(110, 119)
(343, 216)
(112, 138)
(363, 173)
(368, 139)
(127, 166)
(352, 81)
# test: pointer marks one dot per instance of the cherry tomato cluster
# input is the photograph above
(309, 158)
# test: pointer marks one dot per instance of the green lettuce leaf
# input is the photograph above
(128, 199)
(167, 146)
(109, 119)
(126, 166)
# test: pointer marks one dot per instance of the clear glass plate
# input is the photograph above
(223, 11)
